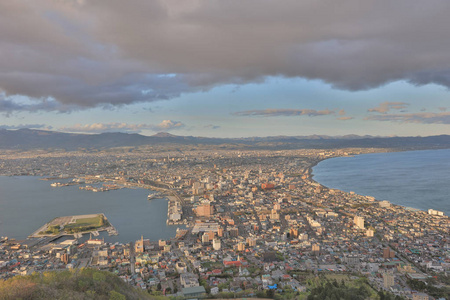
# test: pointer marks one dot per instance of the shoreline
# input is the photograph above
(27, 229)
(409, 208)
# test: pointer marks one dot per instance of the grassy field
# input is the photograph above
(86, 222)
(73, 224)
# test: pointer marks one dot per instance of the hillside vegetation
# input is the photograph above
(76, 284)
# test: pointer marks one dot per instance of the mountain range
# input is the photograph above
(26, 139)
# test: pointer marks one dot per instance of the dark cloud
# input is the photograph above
(422, 118)
(387, 106)
(90, 53)
(9, 105)
(166, 125)
(285, 112)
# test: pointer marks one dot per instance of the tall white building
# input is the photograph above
(359, 222)
(205, 238)
(216, 244)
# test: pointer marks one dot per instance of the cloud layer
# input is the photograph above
(90, 53)
(166, 125)
(286, 112)
(22, 126)
(387, 106)
(211, 126)
(421, 118)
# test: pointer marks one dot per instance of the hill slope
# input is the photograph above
(77, 284)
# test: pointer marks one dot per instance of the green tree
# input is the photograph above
(270, 293)
(97, 276)
(113, 295)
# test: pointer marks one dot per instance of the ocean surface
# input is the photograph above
(27, 203)
(417, 179)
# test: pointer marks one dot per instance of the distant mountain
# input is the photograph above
(164, 135)
(25, 139)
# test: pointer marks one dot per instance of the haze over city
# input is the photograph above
(226, 68)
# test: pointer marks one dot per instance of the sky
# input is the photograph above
(226, 68)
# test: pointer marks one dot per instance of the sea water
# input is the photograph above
(417, 179)
(27, 203)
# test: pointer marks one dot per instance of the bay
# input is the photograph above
(26, 203)
(417, 179)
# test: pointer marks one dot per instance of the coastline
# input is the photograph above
(369, 151)
(410, 208)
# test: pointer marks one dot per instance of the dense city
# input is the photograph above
(256, 225)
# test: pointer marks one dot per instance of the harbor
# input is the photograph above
(161, 190)
(127, 208)
(104, 188)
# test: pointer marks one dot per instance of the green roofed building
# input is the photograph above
(194, 292)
